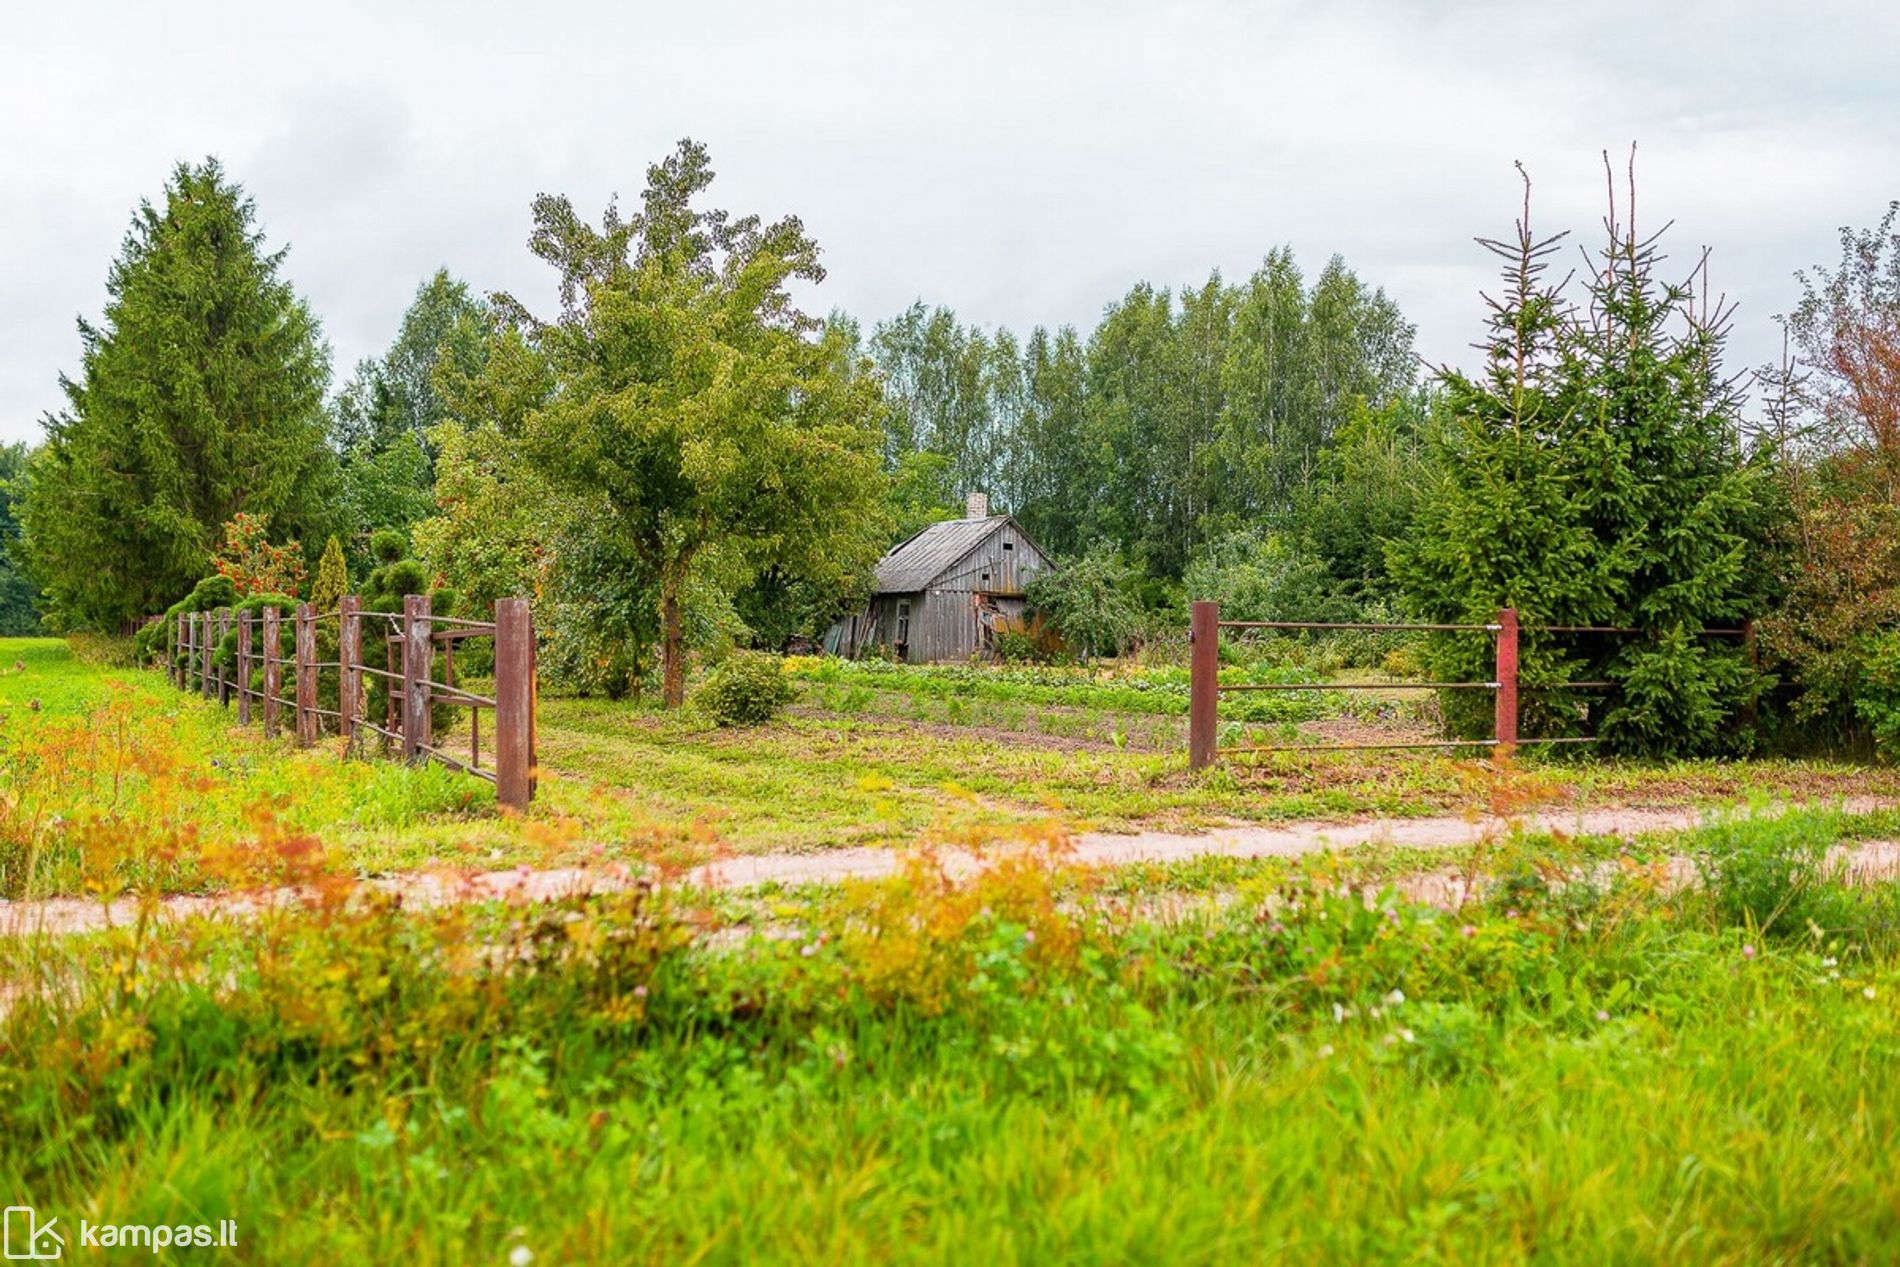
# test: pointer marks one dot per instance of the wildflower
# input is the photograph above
(1339, 1014)
(1748, 952)
(1029, 935)
(1469, 930)
(520, 1256)
(1395, 998)
(1829, 962)
(809, 949)
(1602, 1015)
(1867, 993)
(639, 992)
(1405, 1035)
(1511, 914)
(1325, 1051)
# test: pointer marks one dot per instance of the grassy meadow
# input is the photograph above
(1300, 1060)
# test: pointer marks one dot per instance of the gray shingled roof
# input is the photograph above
(914, 564)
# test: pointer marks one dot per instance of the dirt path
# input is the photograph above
(80, 915)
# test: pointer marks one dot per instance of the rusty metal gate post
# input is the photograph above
(349, 643)
(1506, 727)
(514, 703)
(273, 671)
(244, 668)
(418, 654)
(304, 648)
(1203, 683)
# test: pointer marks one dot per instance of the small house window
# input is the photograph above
(986, 576)
(1009, 545)
(903, 622)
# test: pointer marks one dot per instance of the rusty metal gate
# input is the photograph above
(1205, 687)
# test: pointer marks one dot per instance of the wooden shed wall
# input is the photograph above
(943, 618)
(1001, 564)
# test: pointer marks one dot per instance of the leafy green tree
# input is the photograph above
(695, 404)
(496, 519)
(396, 396)
(386, 416)
(1184, 417)
(1363, 495)
(1834, 634)
(19, 613)
(200, 396)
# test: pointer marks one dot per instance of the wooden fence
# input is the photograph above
(414, 642)
(1205, 687)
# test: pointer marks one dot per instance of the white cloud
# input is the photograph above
(1022, 163)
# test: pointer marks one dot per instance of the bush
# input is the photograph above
(749, 689)
(1877, 702)
(1089, 601)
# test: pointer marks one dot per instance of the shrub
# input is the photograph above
(749, 689)
(333, 578)
(1090, 601)
(1877, 702)
(252, 563)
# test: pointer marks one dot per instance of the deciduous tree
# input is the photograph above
(694, 404)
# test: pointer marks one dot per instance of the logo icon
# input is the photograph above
(25, 1237)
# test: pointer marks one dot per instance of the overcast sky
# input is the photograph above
(1021, 163)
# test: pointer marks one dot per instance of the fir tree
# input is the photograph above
(1593, 475)
(200, 396)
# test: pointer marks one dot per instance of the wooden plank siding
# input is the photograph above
(991, 557)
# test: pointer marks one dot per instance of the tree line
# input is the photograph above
(679, 458)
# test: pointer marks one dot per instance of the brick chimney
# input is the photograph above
(978, 506)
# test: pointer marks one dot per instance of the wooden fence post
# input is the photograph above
(244, 668)
(349, 654)
(172, 652)
(205, 679)
(224, 674)
(184, 647)
(514, 703)
(1506, 727)
(273, 671)
(304, 647)
(1203, 683)
(418, 648)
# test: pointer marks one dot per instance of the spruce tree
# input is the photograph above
(1593, 475)
(200, 396)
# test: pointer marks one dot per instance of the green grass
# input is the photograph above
(954, 1074)
(1212, 1061)
(924, 753)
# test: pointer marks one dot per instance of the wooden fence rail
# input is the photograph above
(413, 642)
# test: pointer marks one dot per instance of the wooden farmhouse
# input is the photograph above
(944, 593)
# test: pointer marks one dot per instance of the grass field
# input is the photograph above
(1273, 1060)
(872, 755)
